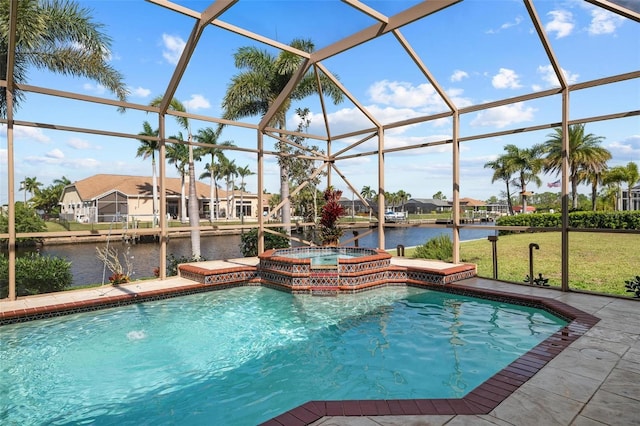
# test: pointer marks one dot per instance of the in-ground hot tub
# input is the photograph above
(325, 269)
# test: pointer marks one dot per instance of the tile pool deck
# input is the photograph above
(595, 380)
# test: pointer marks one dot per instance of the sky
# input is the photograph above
(478, 51)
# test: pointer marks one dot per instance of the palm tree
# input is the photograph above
(228, 169)
(593, 175)
(31, 185)
(628, 174)
(526, 164)
(210, 136)
(194, 210)
(59, 36)
(368, 194)
(585, 153)
(62, 182)
(148, 148)
(502, 170)
(243, 172)
(403, 197)
(178, 155)
(253, 91)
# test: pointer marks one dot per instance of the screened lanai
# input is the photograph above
(413, 95)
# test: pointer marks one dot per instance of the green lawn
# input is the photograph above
(598, 262)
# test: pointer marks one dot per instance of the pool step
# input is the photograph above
(324, 290)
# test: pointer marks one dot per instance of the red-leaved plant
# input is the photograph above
(332, 210)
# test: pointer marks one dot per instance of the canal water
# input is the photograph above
(87, 269)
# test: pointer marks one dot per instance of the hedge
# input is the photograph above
(586, 220)
(36, 274)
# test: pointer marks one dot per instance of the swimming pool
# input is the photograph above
(244, 355)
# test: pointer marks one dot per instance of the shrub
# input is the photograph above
(249, 242)
(36, 274)
(27, 220)
(577, 219)
(173, 262)
(633, 286)
(440, 247)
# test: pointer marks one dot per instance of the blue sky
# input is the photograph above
(477, 50)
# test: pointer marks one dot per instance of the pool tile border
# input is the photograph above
(481, 400)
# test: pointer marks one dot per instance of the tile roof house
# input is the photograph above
(107, 197)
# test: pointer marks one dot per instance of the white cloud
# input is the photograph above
(604, 22)
(55, 154)
(22, 132)
(403, 94)
(503, 116)
(506, 25)
(172, 48)
(3, 156)
(140, 92)
(549, 76)
(626, 150)
(196, 102)
(78, 143)
(458, 75)
(561, 23)
(506, 79)
(97, 89)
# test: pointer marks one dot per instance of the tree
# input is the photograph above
(253, 91)
(194, 215)
(148, 148)
(440, 196)
(31, 185)
(178, 155)
(27, 220)
(526, 164)
(228, 170)
(592, 175)
(46, 199)
(243, 172)
(212, 170)
(59, 36)
(585, 153)
(368, 194)
(403, 197)
(622, 174)
(502, 170)
(631, 178)
(301, 166)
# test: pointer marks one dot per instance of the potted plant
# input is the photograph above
(332, 210)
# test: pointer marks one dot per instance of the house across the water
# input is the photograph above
(106, 197)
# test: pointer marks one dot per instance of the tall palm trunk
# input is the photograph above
(194, 214)
(183, 199)
(154, 182)
(284, 196)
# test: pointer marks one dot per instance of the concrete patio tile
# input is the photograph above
(624, 383)
(612, 409)
(607, 350)
(603, 332)
(413, 420)
(594, 363)
(587, 302)
(566, 384)
(585, 421)
(632, 355)
(479, 420)
(383, 421)
(533, 406)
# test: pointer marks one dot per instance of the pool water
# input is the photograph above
(244, 355)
